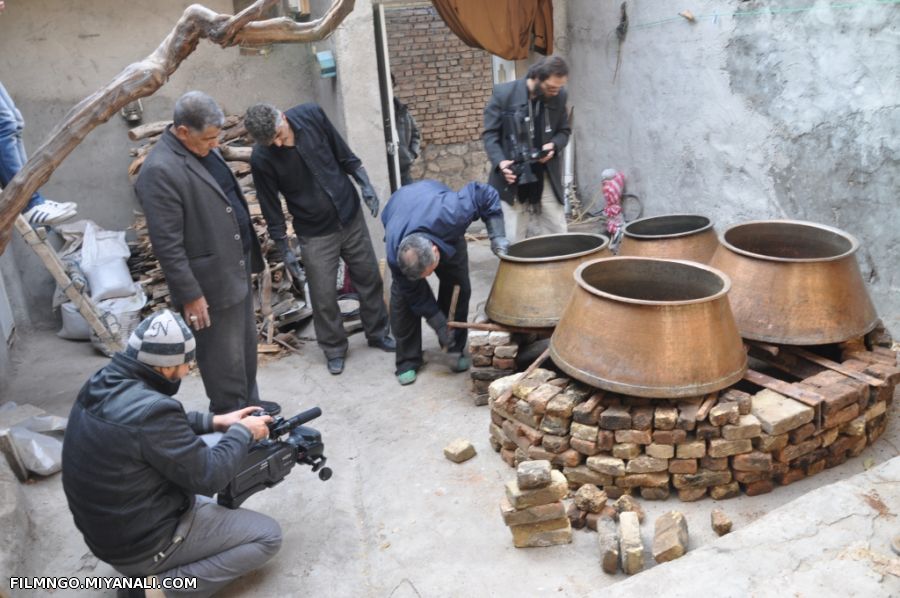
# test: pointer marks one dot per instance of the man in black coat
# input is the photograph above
(200, 228)
(134, 463)
(301, 155)
(526, 126)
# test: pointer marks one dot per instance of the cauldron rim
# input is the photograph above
(854, 243)
(604, 243)
(646, 237)
(579, 279)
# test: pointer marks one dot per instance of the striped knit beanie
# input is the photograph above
(162, 340)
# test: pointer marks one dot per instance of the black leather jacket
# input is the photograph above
(133, 460)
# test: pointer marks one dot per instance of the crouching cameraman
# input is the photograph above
(134, 463)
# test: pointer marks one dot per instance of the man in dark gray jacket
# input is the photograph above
(134, 461)
(526, 128)
(200, 228)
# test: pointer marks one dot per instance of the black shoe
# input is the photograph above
(336, 365)
(270, 407)
(385, 343)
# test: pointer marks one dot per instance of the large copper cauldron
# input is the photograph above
(650, 328)
(534, 280)
(675, 236)
(795, 283)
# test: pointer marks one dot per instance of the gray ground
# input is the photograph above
(397, 518)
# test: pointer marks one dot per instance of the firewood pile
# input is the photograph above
(280, 305)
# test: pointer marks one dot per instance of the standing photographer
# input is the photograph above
(526, 126)
(134, 463)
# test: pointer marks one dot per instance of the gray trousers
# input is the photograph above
(218, 545)
(521, 224)
(226, 355)
(320, 259)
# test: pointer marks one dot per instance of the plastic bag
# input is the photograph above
(39, 453)
(124, 313)
(74, 326)
(104, 260)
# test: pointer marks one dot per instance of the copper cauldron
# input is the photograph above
(675, 236)
(795, 283)
(534, 280)
(650, 328)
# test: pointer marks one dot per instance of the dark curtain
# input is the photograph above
(502, 27)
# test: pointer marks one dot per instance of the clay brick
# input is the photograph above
(644, 480)
(661, 493)
(691, 494)
(760, 487)
(725, 491)
(605, 440)
(875, 428)
(744, 400)
(770, 444)
(635, 436)
(561, 405)
(583, 446)
(683, 466)
(724, 413)
(481, 361)
(792, 451)
(533, 474)
(747, 427)
(642, 418)
(504, 364)
(841, 417)
(790, 477)
(840, 395)
(584, 432)
(726, 448)
(875, 410)
(702, 479)
(555, 444)
(665, 418)
(626, 451)
(707, 431)
(691, 450)
(556, 426)
(660, 451)
(815, 467)
(778, 414)
(669, 436)
(606, 465)
(540, 397)
(714, 463)
(615, 417)
(546, 533)
(830, 435)
(754, 461)
(687, 416)
(646, 464)
(802, 433)
(580, 474)
(569, 458)
(748, 477)
(537, 453)
(588, 413)
(506, 351)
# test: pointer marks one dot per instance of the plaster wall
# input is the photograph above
(756, 110)
(54, 53)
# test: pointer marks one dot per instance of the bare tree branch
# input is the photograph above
(143, 78)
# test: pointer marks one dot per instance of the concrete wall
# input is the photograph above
(748, 113)
(53, 53)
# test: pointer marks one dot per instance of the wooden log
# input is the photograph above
(835, 366)
(707, 404)
(148, 130)
(499, 327)
(236, 154)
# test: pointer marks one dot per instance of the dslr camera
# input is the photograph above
(521, 136)
(270, 460)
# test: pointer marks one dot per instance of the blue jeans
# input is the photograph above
(12, 150)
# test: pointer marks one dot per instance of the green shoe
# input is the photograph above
(407, 377)
(463, 364)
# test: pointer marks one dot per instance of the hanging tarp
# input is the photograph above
(507, 28)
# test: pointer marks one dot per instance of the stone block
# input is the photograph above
(615, 417)
(747, 427)
(726, 448)
(670, 537)
(760, 487)
(497, 338)
(533, 474)
(537, 514)
(642, 418)
(628, 450)
(608, 542)
(691, 494)
(607, 465)
(562, 405)
(589, 411)
(702, 479)
(721, 523)
(555, 444)
(769, 444)
(707, 431)
(660, 493)
(540, 397)
(501, 385)
(581, 474)
(646, 464)
(556, 426)
(723, 491)
(660, 451)
(584, 447)
(643, 480)
(506, 351)
(753, 461)
(590, 498)
(724, 413)
(714, 463)
(545, 533)
(584, 432)
(778, 414)
(630, 545)
(669, 436)
(635, 436)
(459, 450)
(576, 516)
(792, 451)
(522, 499)
(683, 466)
(665, 418)
(744, 400)
(691, 450)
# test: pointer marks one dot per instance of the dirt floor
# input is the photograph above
(397, 518)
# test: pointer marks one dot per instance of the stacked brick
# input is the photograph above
(533, 507)
(493, 356)
(716, 446)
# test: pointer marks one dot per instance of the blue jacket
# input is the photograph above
(442, 215)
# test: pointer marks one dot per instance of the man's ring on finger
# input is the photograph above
(193, 318)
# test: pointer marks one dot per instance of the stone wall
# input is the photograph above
(454, 164)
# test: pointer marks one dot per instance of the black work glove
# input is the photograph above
(439, 323)
(496, 230)
(291, 263)
(368, 192)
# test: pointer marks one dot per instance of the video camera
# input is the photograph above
(270, 460)
(521, 137)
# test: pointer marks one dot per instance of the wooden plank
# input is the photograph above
(772, 350)
(499, 327)
(787, 362)
(708, 404)
(835, 366)
(870, 357)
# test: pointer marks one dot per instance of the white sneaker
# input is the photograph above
(68, 205)
(48, 214)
